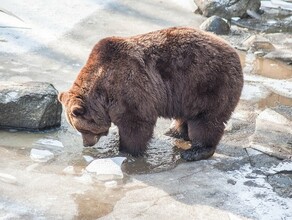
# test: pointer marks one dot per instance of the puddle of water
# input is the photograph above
(161, 154)
(274, 100)
(270, 68)
(100, 203)
(92, 199)
(274, 69)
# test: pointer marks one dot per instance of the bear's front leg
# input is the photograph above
(205, 135)
(134, 136)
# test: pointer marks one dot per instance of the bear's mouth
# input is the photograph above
(91, 139)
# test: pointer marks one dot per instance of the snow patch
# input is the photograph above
(269, 205)
(44, 21)
(11, 97)
(254, 92)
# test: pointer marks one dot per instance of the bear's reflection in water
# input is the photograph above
(162, 153)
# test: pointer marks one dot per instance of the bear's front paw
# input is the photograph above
(197, 153)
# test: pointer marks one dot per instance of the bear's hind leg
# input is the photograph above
(205, 135)
(134, 137)
(178, 129)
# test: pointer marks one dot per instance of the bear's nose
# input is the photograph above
(89, 140)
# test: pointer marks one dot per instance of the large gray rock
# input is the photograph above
(216, 25)
(227, 8)
(30, 106)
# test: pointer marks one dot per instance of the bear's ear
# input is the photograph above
(77, 110)
(62, 97)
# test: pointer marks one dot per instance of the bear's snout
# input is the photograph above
(89, 140)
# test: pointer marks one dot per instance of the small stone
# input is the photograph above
(216, 25)
(231, 181)
(7, 178)
(41, 155)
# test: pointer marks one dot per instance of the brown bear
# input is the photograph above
(181, 73)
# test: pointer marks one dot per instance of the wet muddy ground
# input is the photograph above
(238, 182)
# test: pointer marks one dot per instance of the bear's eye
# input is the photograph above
(77, 110)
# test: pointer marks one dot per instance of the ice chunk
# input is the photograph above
(7, 178)
(111, 184)
(41, 155)
(88, 158)
(49, 142)
(31, 167)
(107, 169)
(69, 170)
(85, 179)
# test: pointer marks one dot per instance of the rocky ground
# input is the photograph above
(46, 175)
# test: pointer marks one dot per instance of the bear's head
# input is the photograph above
(90, 120)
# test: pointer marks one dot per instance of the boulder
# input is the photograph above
(216, 25)
(29, 106)
(227, 8)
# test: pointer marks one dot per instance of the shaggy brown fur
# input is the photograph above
(181, 73)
